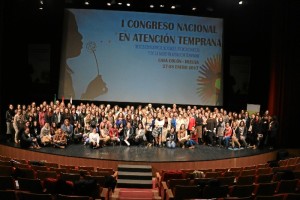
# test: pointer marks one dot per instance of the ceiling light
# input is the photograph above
(120, 3)
(161, 5)
(173, 7)
(87, 3)
(128, 4)
(151, 6)
(108, 4)
(241, 2)
(194, 8)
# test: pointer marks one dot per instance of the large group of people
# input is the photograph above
(59, 124)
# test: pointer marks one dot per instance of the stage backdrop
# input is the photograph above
(125, 56)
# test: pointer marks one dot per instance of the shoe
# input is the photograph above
(128, 144)
(192, 147)
(62, 147)
(38, 147)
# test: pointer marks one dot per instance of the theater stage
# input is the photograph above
(200, 157)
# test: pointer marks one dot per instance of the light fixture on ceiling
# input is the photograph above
(86, 3)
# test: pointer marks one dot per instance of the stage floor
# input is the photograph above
(149, 154)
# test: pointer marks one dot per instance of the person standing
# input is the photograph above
(9, 115)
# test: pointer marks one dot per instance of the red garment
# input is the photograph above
(228, 132)
(192, 123)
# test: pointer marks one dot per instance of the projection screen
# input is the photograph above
(123, 56)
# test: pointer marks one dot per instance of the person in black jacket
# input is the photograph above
(27, 141)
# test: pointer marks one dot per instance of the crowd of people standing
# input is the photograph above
(59, 124)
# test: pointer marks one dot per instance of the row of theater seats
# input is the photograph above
(251, 182)
(21, 179)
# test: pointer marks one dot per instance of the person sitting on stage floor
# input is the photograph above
(191, 142)
(140, 137)
(27, 141)
(171, 138)
(94, 139)
(182, 136)
(104, 134)
(227, 134)
(59, 139)
(45, 135)
(128, 134)
(78, 133)
(68, 129)
(114, 133)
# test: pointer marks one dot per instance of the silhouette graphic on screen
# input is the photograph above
(97, 86)
(73, 49)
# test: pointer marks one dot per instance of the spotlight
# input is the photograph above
(87, 3)
(151, 6)
(173, 7)
(194, 8)
(128, 4)
(162, 5)
(119, 3)
(108, 4)
(241, 2)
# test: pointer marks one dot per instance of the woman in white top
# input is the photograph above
(94, 139)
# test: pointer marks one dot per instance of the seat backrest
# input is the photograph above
(69, 177)
(241, 191)
(5, 163)
(7, 183)
(265, 189)
(88, 168)
(51, 164)
(8, 194)
(245, 180)
(212, 174)
(37, 167)
(266, 170)
(248, 172)
(186, 192)
(287, 186)
(264, 178)
(228, 180)
(6, 170)
(171, 174)
(292, 196)
(30, 185)
(100, 179)
(171, 183)
(230, 173)
(211, 192)
(24, 173)
(33, 196)
(46, 174)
